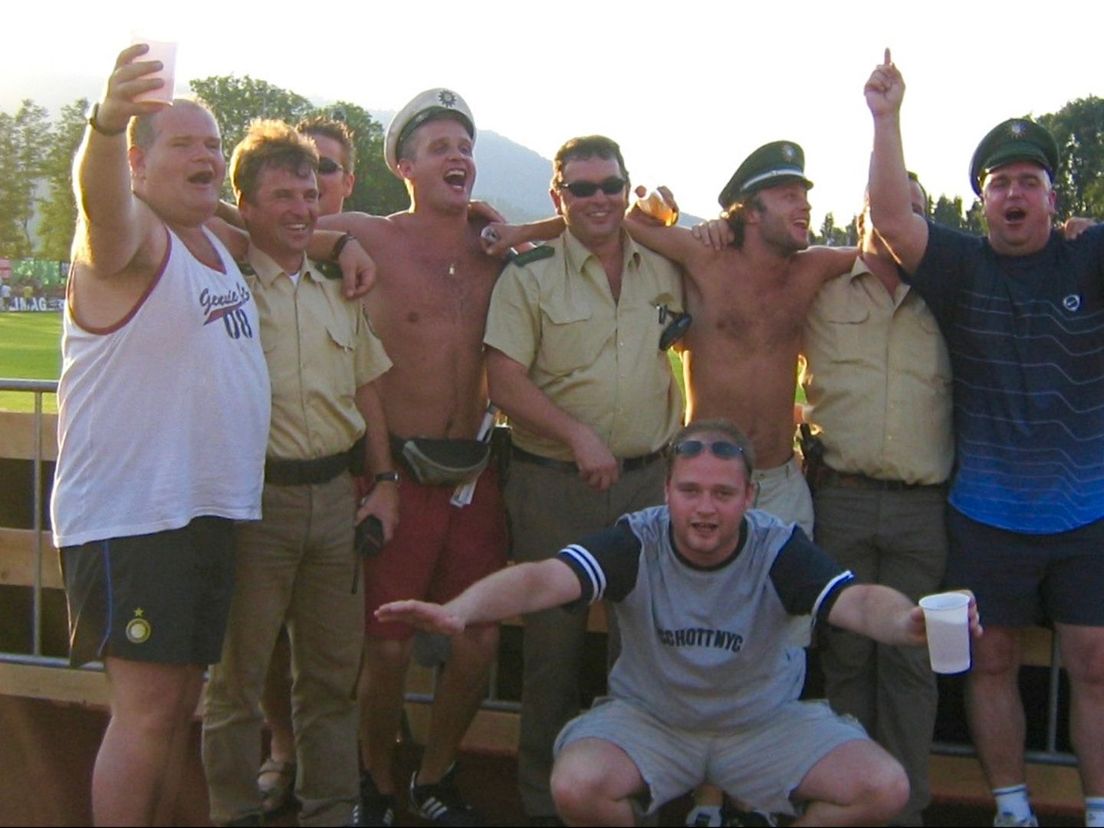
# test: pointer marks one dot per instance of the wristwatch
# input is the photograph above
(95, 124)
(387, 477)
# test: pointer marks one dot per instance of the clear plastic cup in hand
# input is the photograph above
(164, 51)
(946, 617)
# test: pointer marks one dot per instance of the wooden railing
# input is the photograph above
(29, 560)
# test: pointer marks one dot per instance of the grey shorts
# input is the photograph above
(760, 764)
(162, 597)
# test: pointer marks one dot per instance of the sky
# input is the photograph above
(687, 90)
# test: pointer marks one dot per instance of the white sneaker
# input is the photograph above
(705, 816)
(1003, 819)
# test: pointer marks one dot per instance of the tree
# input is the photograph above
(59, 211)
(835, 236)
(24, 141)
(948, 212)
(1078, 127)
(237, 101)
(9, 221)
(975, 219)
(377, 191)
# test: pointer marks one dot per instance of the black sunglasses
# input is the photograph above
(327, 166)
(585, 189)
(722, 449)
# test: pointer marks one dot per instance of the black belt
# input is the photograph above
(306, 472)
(848, 480)
(627, 464)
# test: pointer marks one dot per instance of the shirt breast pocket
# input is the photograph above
(847, 335)
(571, 338)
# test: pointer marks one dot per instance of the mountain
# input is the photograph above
(512, 177)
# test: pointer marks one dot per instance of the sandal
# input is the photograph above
(276, 784)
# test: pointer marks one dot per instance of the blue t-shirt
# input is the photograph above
(1026, 339)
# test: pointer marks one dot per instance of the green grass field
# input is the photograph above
(30, 348)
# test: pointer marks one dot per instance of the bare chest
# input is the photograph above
(751, 314)
(426, 297)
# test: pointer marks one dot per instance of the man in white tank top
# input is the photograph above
(163, 416)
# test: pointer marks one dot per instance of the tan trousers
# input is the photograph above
(549, 509)
(295, 565)
(897, 539)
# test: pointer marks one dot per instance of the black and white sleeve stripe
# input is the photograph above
(605, 563)
(588, 569)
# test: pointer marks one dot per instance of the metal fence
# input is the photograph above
(38, 388)
(1049, 755)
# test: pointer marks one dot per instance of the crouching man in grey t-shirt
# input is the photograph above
(715, 604)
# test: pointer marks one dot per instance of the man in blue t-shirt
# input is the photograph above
(1022, 310)
(715, 602)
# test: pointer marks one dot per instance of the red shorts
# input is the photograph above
(438, 551)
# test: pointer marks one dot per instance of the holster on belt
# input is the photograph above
(812, 455)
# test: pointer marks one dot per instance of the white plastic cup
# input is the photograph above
(946, 616)
(164, 51)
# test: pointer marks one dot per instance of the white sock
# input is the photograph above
(1094, 811)
(1013, 801)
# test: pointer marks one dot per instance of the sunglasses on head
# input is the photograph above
(585, 189)
(722, 449)
(327, 166)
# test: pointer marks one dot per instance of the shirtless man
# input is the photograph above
(749, 300)
(429, 307)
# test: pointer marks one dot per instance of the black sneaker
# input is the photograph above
(374, 808)
(441, 803)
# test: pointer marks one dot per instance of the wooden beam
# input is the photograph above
(17, 435)
(55, 683)
(17, 550)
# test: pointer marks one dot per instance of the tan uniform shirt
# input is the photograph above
(319, 349)
(878, 381)
(597, 359)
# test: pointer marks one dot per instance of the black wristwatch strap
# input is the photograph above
(339, 245)
(95, 124)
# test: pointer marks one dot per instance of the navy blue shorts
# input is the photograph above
(159, 598)
(1022, 580)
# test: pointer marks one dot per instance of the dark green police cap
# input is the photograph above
(1017, 139)
(768, 166)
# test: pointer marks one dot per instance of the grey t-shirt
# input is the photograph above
(708, 649)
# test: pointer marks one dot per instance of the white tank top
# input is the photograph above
(163, 417)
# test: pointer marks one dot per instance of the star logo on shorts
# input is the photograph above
(447, 98)
(138, 629)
